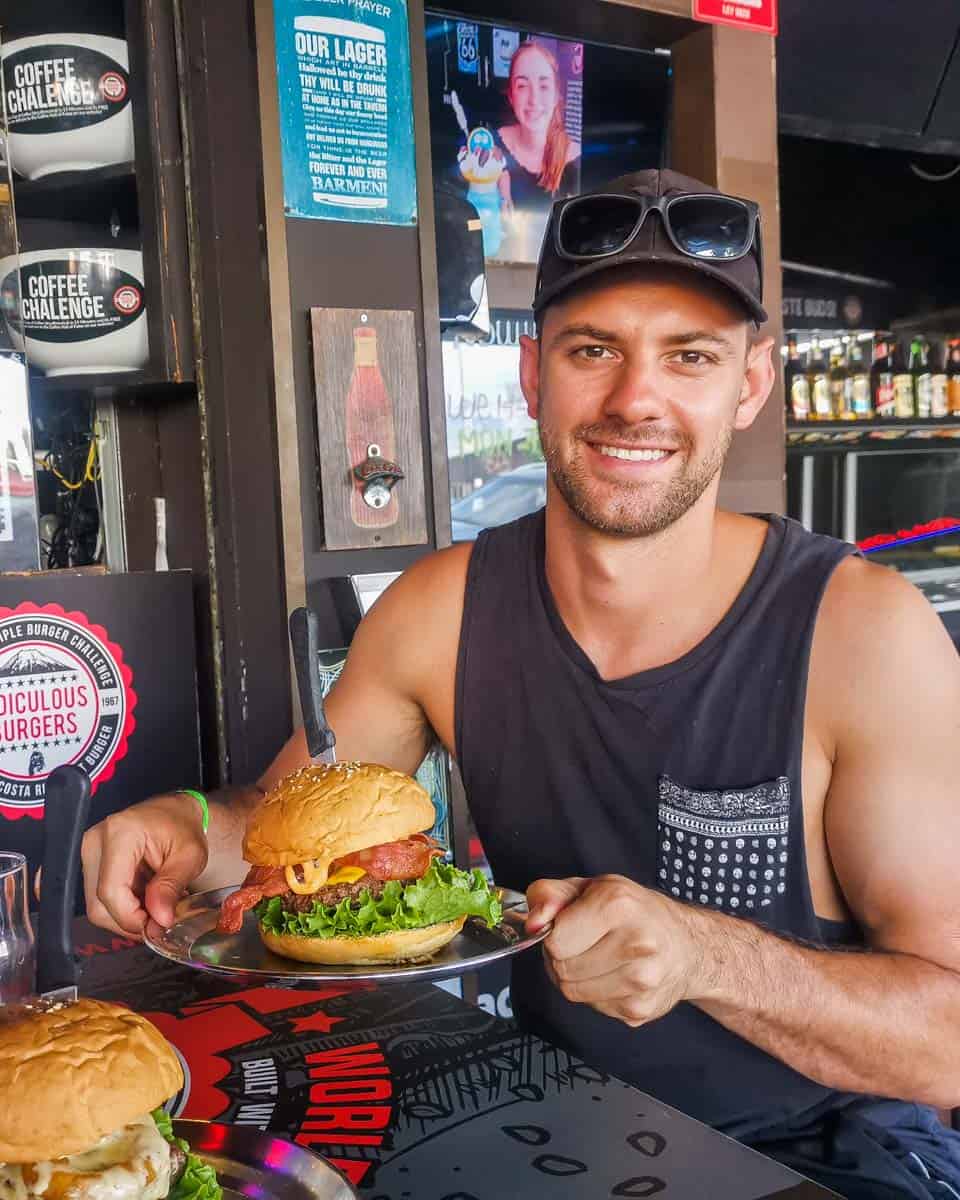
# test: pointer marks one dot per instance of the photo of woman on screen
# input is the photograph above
(542, 159)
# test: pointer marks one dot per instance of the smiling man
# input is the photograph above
(718, 751)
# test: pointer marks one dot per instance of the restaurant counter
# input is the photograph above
(416, 1095)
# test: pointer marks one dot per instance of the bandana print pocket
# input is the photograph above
(726, 849)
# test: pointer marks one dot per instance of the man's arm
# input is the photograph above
(887, 1021)
(883, 1021)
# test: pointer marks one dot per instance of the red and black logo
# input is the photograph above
(66, 696)
(127, 299)
(113, 87)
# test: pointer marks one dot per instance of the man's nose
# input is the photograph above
(638, 393)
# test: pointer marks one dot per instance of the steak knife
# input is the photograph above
(304, 640)
(66, 807)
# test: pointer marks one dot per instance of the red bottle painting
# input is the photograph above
(369, 428)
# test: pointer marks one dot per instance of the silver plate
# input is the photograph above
(261, 1166)
(195, 942)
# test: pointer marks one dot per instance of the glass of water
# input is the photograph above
(18, 965)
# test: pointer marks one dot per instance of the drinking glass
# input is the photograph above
(18, 963)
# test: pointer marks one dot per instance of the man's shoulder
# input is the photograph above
(864, 601)
(432, 582)
(875, 630)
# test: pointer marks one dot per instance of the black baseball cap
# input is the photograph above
(743, 276)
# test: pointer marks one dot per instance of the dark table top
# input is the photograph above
(416, 1095)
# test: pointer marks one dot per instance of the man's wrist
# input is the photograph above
(723, 949)
(201, 802)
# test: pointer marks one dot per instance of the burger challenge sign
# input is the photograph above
(66, 696)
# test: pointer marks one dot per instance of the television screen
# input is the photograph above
(520, 119)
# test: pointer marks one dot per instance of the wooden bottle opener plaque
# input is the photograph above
(367, 387)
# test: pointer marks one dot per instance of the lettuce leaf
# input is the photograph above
(199, 1180)
(442, 894)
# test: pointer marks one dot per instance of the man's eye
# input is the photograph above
(693, 358)
(594, 352)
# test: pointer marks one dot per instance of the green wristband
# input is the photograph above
(202, 801)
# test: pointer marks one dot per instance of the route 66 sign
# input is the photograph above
(467, 49)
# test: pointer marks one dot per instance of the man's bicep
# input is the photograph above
(893, 809)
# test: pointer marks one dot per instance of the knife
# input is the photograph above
(65, 812)
(304, 639)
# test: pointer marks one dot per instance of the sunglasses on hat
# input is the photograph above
(708, 226)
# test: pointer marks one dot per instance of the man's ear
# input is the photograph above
(758, 380)
(530, 373)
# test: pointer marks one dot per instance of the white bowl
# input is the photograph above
(68, 103)
(80, 311)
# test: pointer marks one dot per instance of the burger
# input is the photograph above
(81, 1118)
(343, 871)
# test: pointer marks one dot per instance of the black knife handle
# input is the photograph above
(66, 808)
(305, 642)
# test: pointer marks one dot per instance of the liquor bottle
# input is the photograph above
(820, 407)
(882, 372)
(797, 384)
(838, 382)
(939, 405)
(922, 377)
(859, 384)
(953, 378)
(369, 422)
(903, 398)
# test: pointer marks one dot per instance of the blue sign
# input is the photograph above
(468, 51)
(346, 110)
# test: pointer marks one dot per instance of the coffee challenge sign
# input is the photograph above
(76, 309)
(59, 303)
(66, 696)
(52, 88)
(343, 72)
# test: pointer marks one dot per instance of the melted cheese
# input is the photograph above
(346, 875)
(314, 877)
(131, 1164)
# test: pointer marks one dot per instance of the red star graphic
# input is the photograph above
(316, 1022)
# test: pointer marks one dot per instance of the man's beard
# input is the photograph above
(631, 509)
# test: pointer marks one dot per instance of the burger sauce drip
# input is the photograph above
(406, 859)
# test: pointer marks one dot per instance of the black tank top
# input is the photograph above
(686, 777)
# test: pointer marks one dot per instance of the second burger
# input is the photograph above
(343, 872)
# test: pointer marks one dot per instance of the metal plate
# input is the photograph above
(261, 1166)
(194, 942)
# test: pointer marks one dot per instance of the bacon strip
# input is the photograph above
(406, 859)
(260, 883)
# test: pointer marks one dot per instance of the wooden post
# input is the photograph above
(725, 133)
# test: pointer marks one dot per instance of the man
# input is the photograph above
(717, 750)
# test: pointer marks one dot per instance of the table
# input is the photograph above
(416, 1095)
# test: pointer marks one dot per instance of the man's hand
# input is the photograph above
(138, 863)
(628, 952)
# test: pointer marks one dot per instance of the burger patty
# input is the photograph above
(335, 894)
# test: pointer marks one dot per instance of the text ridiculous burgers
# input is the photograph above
(79, 1084)
(343, 873)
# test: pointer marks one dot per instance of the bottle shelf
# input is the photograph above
(903, 433)
(873, 425)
